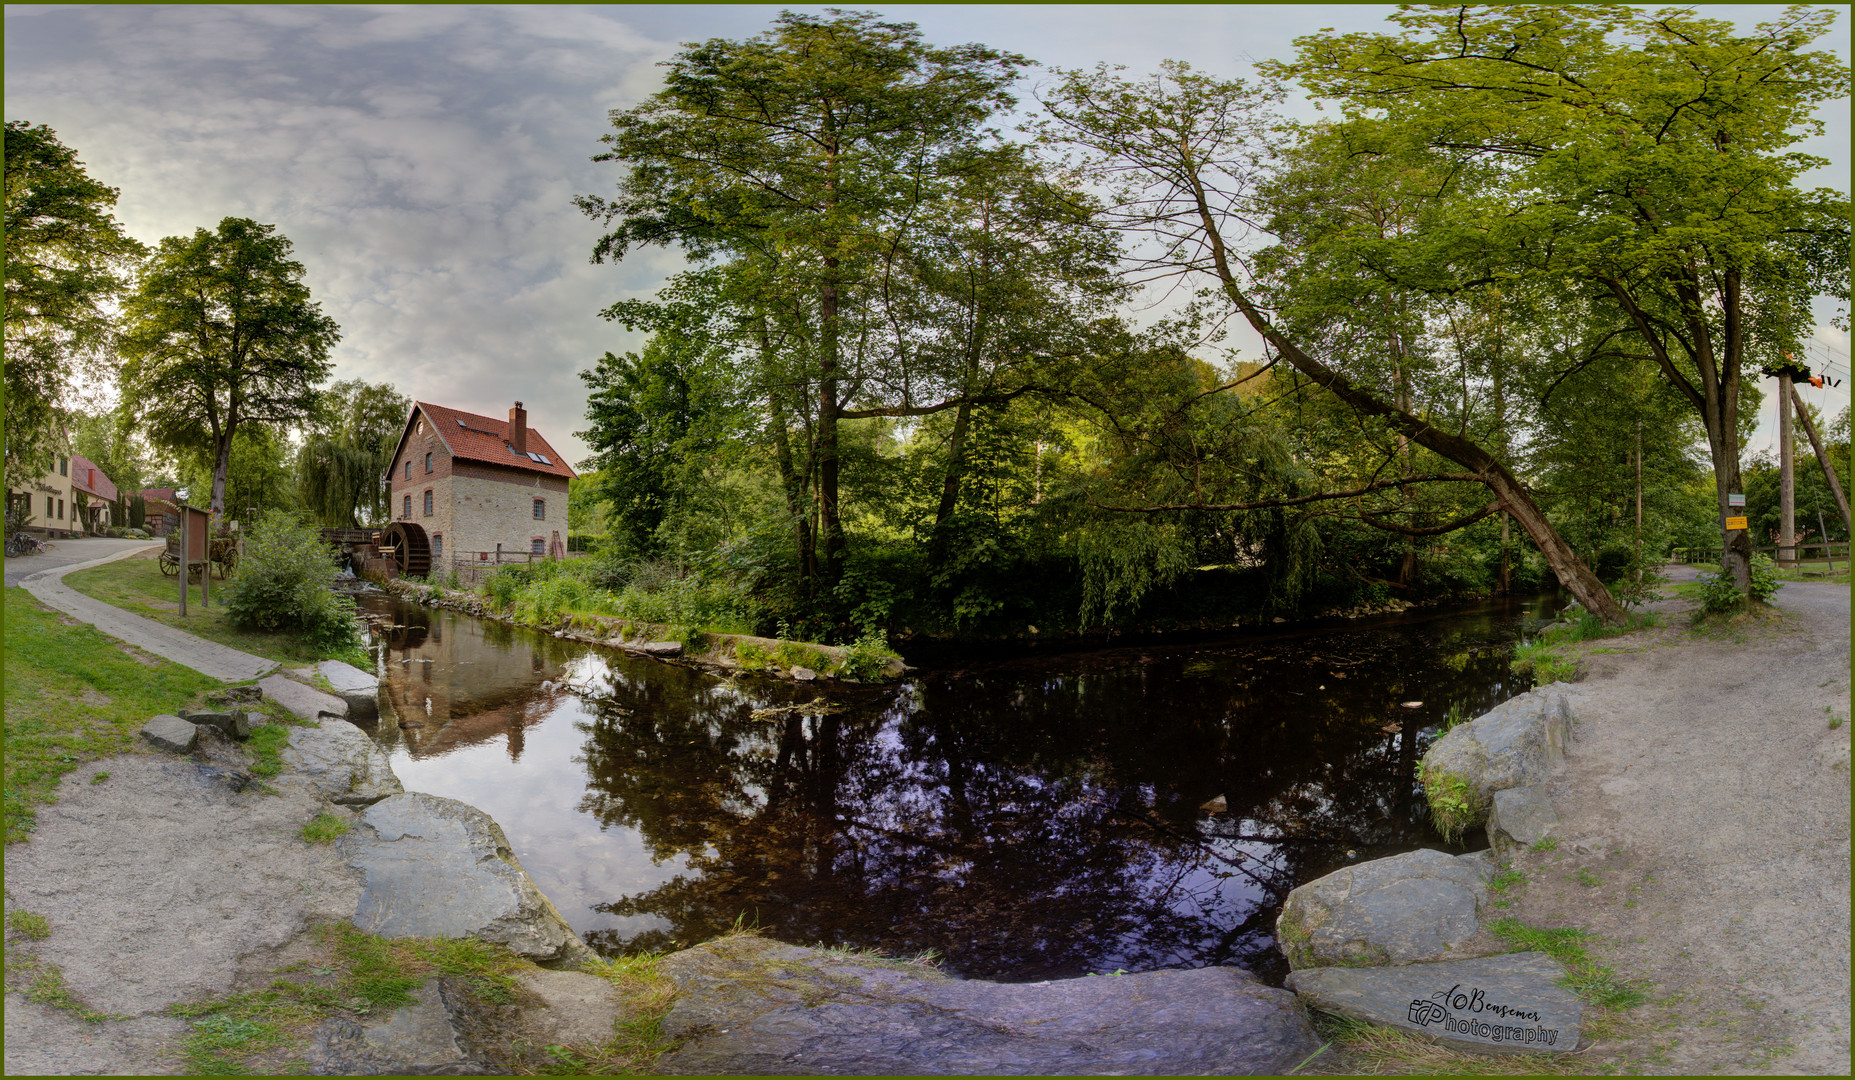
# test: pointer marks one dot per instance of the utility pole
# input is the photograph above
(1787, 479)
(1816, 444)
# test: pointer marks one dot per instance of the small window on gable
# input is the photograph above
(540, 509)
(428, 461)
(538, 546)
(408, 468)
(421, 427)
(428, 502)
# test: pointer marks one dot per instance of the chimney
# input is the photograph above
(518, 429)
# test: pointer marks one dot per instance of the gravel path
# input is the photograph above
(1706, 838)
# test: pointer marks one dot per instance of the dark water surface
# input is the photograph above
(1028, 818)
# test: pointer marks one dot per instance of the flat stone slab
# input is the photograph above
(343, 764)
(748, 1005)
(1496, 1004)
(437, 867)
(1519, 742)
(1521, 817)
(1419, 906)
(359, 689)
(172, 734)
(417, 1039)
(659, 648)
(304, 701)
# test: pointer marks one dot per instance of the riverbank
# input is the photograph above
(1703, 848)
(727, 654)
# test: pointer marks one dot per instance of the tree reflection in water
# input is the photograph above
(1038, 819)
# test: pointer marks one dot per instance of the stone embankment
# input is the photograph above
(728, 654)
(1401, 942)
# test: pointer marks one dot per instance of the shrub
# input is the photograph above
(1718, 594)
(1452, 802)
(1765, 581)
(282, 584)
(866, 657)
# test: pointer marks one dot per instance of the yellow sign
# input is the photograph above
(1735, 523)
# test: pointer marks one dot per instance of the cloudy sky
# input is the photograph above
(424, 159)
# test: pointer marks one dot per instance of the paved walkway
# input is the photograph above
(206, 657)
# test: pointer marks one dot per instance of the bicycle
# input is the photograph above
(24, 544)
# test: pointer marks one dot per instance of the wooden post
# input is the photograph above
(183, 562)
(1639, 500)
(1787, 479)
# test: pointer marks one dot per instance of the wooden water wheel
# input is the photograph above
(411, 548)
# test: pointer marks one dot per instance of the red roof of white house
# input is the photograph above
(481, 438)
(86, 477)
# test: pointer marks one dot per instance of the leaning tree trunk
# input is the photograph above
(1822, 459)
(1507, 490)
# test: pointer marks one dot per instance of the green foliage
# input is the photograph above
(793, 654)
(222, 317)
(29, 926)
(1765, 580)
(282, 583)
(325, 828)
(1596, 984)
(752, 657)
(1719, 595)
(349, 446)
(868, 655)
(67, 259)
(1453, 808)
(1545, 663)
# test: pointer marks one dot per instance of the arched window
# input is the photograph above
(437, 545)
(428, 461)
(538, 546)
(428, 502)
(408, 510)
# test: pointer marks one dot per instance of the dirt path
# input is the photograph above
(1705, 839)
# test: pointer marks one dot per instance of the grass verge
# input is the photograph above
(137, 586)
(73, 695)
(1546, 656)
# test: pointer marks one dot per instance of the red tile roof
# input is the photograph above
(481, 438)
(102, 487)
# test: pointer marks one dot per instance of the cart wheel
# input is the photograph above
(170, 566)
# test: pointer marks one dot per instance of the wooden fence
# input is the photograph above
(1827, 552)
(472, 567)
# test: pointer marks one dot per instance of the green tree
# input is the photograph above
(1184, 154)
(67, 259)
(810, 145)
(347, 449)
(220, 332)
(261, 471)
(1643, 155)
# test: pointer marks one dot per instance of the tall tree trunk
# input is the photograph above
(950, 484)
(830, 533)
(222, 463)
(797, 506)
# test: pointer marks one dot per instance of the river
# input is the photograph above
(1035, 816)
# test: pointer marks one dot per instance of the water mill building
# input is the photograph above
(472, 491)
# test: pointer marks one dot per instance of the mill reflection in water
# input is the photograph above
(1028, 818)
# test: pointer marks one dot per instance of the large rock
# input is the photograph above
(437, 867)
(1519, 742)
(419, 1039)
(751, 1006)
(659, 648)
(359, 690)
(305, 702)
(172, 734)
(1520, 818)
(1421, 905)
(341, 762)
(1499, 1004)
(233, 725)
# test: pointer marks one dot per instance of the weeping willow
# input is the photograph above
(340, 483)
